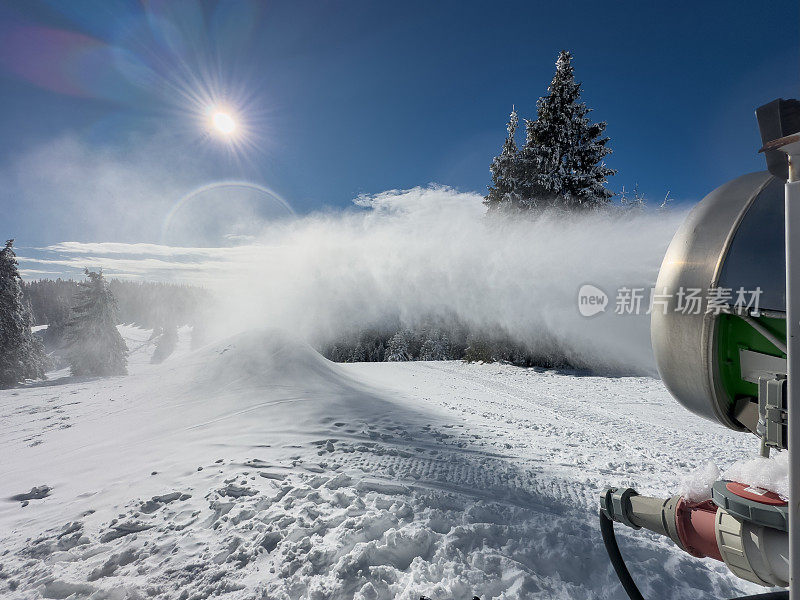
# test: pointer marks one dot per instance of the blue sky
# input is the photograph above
(99, 100)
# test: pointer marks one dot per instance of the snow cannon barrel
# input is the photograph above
(723, 324)
(719, 329)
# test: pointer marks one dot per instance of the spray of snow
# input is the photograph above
(395, 258)
(407, 255)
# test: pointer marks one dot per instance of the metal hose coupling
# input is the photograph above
(744, 534)
(628, 507)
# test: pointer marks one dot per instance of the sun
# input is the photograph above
(226, 124)
(223, 123)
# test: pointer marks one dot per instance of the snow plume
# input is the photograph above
(430, 252)
(402, 258)
(393, 260)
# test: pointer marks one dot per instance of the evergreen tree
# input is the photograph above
(376, 351)
(58, 317)
(359, 353)
(21, 353)
(562, 161)
(504, 191)
(334, 354)
(397, 349)
(95, 345)
(436, 347)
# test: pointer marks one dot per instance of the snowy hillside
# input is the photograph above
(255, 468)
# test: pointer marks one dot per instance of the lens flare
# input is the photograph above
(170, 59)
(208, 213)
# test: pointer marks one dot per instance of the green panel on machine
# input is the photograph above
(733, 334)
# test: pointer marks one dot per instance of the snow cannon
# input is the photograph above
(719, 336)
(721, 325)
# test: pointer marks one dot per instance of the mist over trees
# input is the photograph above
(81, 319)
(162, 307)
(143, 303)
(94, 345)
(429, 340)
(436, 338)
(561, 164)
(165, 344)
(21, 353)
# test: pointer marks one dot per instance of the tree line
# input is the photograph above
(143, 303)
(439, 338)
(82, 319)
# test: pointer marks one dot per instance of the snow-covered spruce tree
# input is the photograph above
(562, 161)
(359, 353)
(504, 191)
(436, 347)
(21, 353)
(397, 349)
(95, 345)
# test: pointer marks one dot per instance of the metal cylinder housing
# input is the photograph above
(733, 238)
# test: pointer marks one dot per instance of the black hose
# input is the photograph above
(610, 541)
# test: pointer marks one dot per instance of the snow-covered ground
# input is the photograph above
(255, 468)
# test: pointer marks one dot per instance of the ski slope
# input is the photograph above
(255, 468)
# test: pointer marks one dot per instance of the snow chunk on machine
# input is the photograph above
(728, 361)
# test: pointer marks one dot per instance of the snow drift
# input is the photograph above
(255, 468)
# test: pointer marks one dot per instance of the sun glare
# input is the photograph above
(226, 121)
(223, 123)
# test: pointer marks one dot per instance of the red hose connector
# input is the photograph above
(695, 523)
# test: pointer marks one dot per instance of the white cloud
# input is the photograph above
(111, 248)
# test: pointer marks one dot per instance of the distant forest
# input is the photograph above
(437, 338)
(164, 306)
(149, 305)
